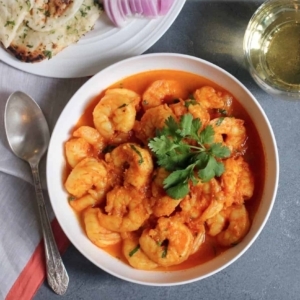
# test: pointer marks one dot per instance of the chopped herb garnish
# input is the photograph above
(29, 46)
(133, 251)
(222, 111)
(145, 102)
(47, 13)
(83, 13)
(123, 105)
(71, 198)
(184, 161)
(164, 253)
(48, 53)
(12, 23)
(141, 160)
(219, 121)
(191, 102)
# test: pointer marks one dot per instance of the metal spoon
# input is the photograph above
(28, 136)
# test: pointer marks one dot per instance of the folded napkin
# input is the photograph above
(21, 248)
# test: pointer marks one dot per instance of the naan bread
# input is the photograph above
(12, 14)
(47, 15)
(33, 46)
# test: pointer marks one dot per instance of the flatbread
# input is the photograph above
(12, 14)
(33, 46)
(47, 15)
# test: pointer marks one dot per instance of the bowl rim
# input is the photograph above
(190, 59)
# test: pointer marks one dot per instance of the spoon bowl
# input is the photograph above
(27, 140)
(28, 136)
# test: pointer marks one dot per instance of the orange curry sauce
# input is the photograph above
(254, 154)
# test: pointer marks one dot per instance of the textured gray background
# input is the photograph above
(270, 269)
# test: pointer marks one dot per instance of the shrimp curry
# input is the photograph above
(165, 170)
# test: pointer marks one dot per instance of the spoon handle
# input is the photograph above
(57, 276)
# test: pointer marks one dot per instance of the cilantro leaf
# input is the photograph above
(162, 145)
(187, 162)
(185, 125)
(219, 151)
(176, 177)
(201, 160)
(207, 135)
(171, 129)
(174, 161)
(178, 191)
(212, 169)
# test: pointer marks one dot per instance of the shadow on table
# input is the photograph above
(213, 31)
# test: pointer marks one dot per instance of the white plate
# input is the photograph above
(101, 47)
(70, 116)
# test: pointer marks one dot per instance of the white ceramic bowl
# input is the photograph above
(70, 116)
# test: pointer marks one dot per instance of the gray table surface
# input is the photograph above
(270, 269)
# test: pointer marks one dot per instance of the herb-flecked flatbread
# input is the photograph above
(33, 46)
(47, 15)
(12, 13)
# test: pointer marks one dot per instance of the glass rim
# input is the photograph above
(247, 39)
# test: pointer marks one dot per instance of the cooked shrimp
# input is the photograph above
(157, 187)
(83, 202)
(212, 99)
(214, 207)
(153, 119)
(77, 149)
(89, 177)
(245, 184)
(115, 113)
(91, 135)
(99, 235)
(195, 109)
(161, 91)
(135, 162)
(238, 225)
(199, 239)
(205, 201)
(237, 181)
(132, 96)
(163, 205)
(135, 255)
(169, 243)
(216, 224)
(229, 131)
(126, 210)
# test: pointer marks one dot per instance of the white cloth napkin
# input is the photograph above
(20, 230)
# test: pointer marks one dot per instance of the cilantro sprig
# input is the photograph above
(188, 153)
